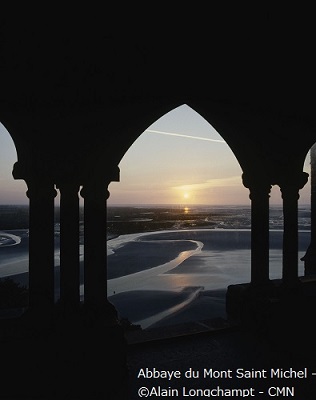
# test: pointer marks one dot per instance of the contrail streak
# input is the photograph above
(185, 136)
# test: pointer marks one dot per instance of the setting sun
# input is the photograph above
(186, 195)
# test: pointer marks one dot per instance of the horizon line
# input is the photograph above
(160, 204)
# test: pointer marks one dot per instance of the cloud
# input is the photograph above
(185, 136)
(211, 183)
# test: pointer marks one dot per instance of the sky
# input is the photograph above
(180, 159)
(11, 191)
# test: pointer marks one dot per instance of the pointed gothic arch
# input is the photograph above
(186, 138)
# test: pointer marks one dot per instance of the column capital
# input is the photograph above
(18, 171)
(40, 189)
(291, 184)
(257, 185)
(39, 181)
(253, 181)
(297, 180)
(96, 181)
(93, 190)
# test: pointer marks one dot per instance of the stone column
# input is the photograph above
(41, 196)
(313, 195)
(259, 196)
(310, 256)
(290, 187)
(95, 195)
(69, 245)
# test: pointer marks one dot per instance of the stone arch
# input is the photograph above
(112, 289)
(9, 156)
(206, 128)
(151, 113)
(14, 222)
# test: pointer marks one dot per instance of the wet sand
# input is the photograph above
(158, 296)
(141, 254)
(169, 277)
(188, 305)
(163, 295)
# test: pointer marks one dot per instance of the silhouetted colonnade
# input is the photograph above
(95, 193)
(41, 196)
(75, 96)
(259, 196)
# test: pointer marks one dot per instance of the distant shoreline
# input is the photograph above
(134, 218)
